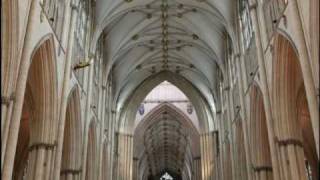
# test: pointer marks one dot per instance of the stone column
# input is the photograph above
(230, 115)
(10, 54)
(86, 129)
(39, 158)
(265, 90)
(262, 172)
(304, 59)
(112, 152)
(102, 132)
(244, 113)
(6, 113)
(135, 168)
(197, 168)
(70, 174)
(64, 99)
(8, 152)
(125, 158)
(207, 160)
(215, 154)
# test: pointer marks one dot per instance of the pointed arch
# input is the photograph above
(72, 142)
(258, 133)
(39, 114)
(91, 151)
(159, 123)
(105, 160)
(166, 107)
(287, 82)
(203, 109)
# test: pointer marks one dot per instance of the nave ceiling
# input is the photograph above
(144, 37)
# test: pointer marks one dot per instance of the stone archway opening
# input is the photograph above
(309, 147)
(71, 151)
(258, 136)
(295, 141)
(91, 151)
(21, 158)
(166, 141)
(37, 126)
(166, 136)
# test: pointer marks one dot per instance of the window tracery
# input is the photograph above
(246, 24)
(55, 12)
(166, 176)
(81, 36)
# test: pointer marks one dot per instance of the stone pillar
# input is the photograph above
(207, 161)
(135, 169)
(265, 90)
(304, 59)
(6, 113)
(112, 152)
(231, 119)
(197, 168)
(243, 111)
(292, 159)
(216, 155)
(64, 99)
(8, 152)
(262, 172)
(125, 158)
(70, 174)
(10, 54)
(39, 158)
(102, 133)
(86, 129)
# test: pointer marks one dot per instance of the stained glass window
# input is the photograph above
(166, 176)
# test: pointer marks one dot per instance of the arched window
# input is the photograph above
(81, 36)
(246, 23)
(166, 176)
(81, 29)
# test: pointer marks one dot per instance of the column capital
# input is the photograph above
(6, 99)
(289, 141)
(41, 145)
(262, 168)
(71, 171)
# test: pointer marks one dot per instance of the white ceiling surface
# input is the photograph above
(167, 92)
(140, 41)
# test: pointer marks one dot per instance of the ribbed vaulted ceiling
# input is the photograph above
(145, 37)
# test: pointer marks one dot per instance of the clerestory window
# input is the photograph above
(246, 24)
(166, 176)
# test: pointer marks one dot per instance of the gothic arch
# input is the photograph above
(286, 84)
(258, 135)
(71, 152)
(304, 122)
(91, 151)
(39, 121)
(240, 150)
(203, 109)
(165, 107)
(150, 130)
(105, 160)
